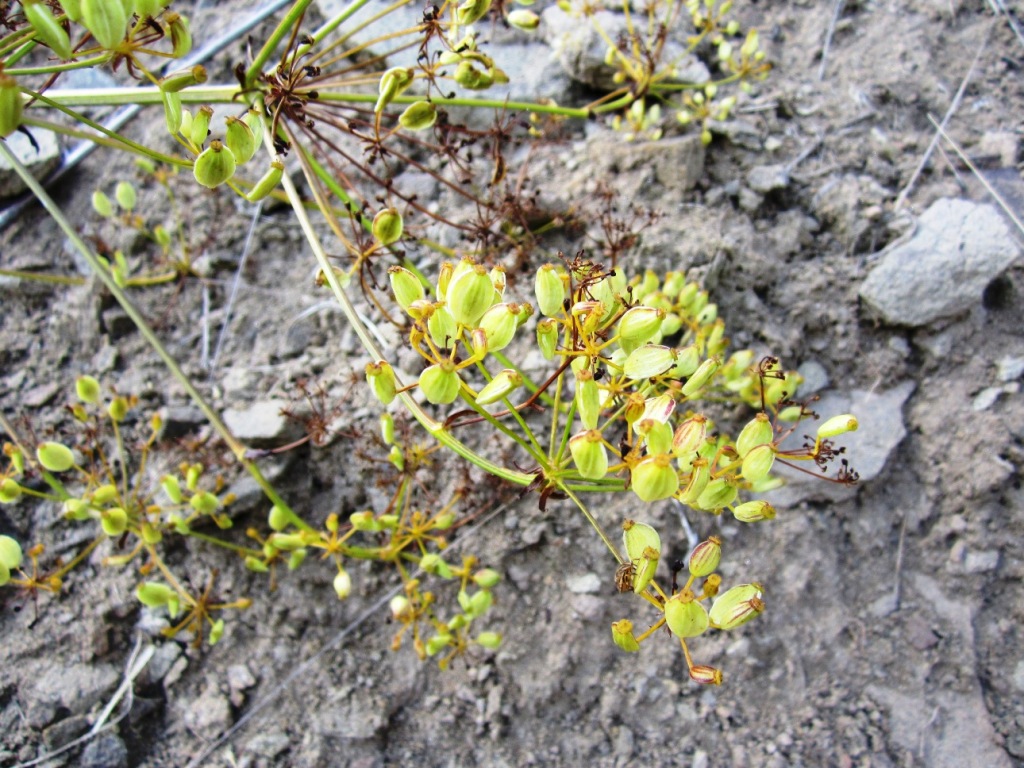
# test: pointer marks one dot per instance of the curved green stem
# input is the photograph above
(283, 29)
(593, 522)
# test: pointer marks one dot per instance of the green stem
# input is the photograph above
(593, 522)
(40, 277)
(330, 26)
(283, 29)
(107, 279)
(67, 66)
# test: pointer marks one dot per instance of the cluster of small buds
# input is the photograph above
(684, 611)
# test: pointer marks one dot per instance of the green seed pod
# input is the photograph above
(47, 28)
(88, 389)
(172, 488)
(114, 521)
(837, 425)
(204, 502)
(622, 636)
(479, 603)
(550, 290)
(11, 105)
(471, 11)
(671, 324)
(200, 127)
(470, 294)
(107, 20)
(153, 594)
(278, 518)
(486, 578)
(239, 138)
(418, 116)
(737, 606)
(690, 435)
(434, 564)
(181, 35)
(547, 337)
(588, 399)
(10, 553)
(705, 675)
(214, 166)
(705, 557)
(73, 9)
(500, 387)
(342, 584)
(440, 383)
(392, 83)
(118, 409)
(639, 537)
(589, 454)
(647, 361)
(151, 534)
(444, 278)
(287, 542)
(687, 362)
(406, 287)
(149, 9)
(490, 640)
(523, 19)
(472, 78)
(10, 491)
(255, 565)
(104, 495)
(172, 112)
(5, 574)
(654, 478)
(719, 493)
(381, 377)
(700, 476)
(387, 226)
(754, 512)
(757, 431)
(436, 644)
(267, 183)
(701, 376)
(499, 324)
(55, 457)
(758, 462)
(102, 205)
(254, 120)
(685, 616)
(178, 81)
(441, 326)
(124, 193)
(657, 435)
(216, 631)
(638, 326)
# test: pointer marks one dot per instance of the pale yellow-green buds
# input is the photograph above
(550, 290)
(654, 478)
(10, 491)
(88, 389)
(588, 399)
(589, 454)
(737, 606)
(117, 409)
(381, 378)
(647, 361)
(114, 521)
(472, 78)
(406, 286)
(278, 518)
(440, 383)
(471, 11)
(757, 431)
(622, 635)
(181, 35)
(700, 475)
(638, 326)
(499, 324)
(470, 294)
(719, 493)
(690, 435)
(214, 166)
(204, 502)
(102, 205)
(754, 512)
(183, 78)
(173, 112)
(501, 386)
(523, 19)
(55, 457)
(701, 376)
(172, 488)
(124, 193)
(547, 337)
(11, 106)
(267, 183)
(687, 361)
(107, 20)
(837, 425)
(392, 83)
(705, 557)
(10, 558)
(643, 549)
(686, 616)
(199, 128)
(758, 462)
(46, 27)
(240, 139)
(153, 594)
(486, 578)
(418, 116)
(490, 640)
(387, 226)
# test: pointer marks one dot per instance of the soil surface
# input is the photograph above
(894, 634)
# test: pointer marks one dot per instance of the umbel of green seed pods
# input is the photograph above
(214, 166)
(107, 20)
(418, 116)
(387, 226)
(46, 27)
(10, 105)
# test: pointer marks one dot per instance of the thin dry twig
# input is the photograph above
(837, 11)
(999, 7)
(953, 107)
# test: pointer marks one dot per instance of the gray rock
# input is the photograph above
(958, 249)
(1010, 368)
(262, 425)
(581, 50)
(77, 687)
(210, 714)
(981, 561)
(815, 377)
(38, 162)
(678, 162)
(64, 731)
(584, 584)
(180, 420)
(105, 751)
(768, 178)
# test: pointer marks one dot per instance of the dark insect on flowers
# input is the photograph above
(624, 577)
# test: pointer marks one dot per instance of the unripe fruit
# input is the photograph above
(589, 454)
(440, 383)
(214, 166)
(239, 138)
(685, 616)
(470, 294)
(387, 226)
(418, 116)
(55, 457)
(11, 106)
(46, 27)
(654, 478)
(107, 20)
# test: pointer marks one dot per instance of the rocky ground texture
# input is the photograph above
(830, 232)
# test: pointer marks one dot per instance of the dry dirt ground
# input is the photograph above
(893, 634)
